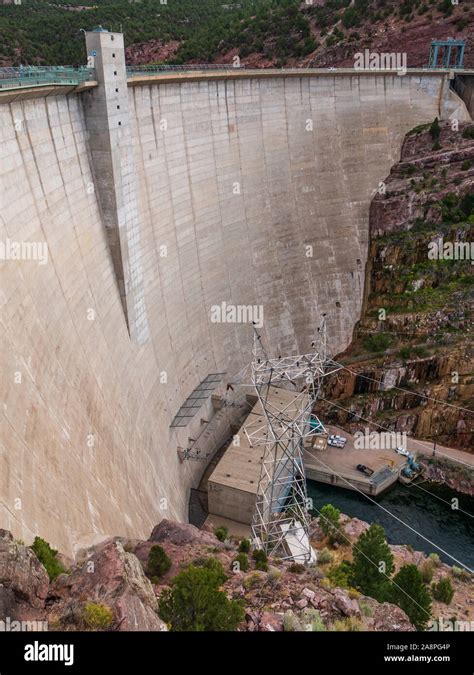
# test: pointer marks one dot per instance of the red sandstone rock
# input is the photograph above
(24, 581)
(180, 534)
(347, 605)
(270, 623)
(111, 577)
(389, 617)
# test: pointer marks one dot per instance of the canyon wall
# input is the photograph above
(248, 190)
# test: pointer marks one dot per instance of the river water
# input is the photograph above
(451, 530)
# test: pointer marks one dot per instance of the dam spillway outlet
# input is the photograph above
(104, 343)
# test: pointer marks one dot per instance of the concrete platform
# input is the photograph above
(235, 528)
(232, 486)
(337, 466)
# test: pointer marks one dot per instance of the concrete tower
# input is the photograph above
(108, 124)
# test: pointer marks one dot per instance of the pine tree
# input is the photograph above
(412, 595)
(372, 563)
(435, 129)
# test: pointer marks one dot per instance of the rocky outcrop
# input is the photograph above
(389, 617)
(180, 534)
(413, 342)
(23, 580)
(114, 578)
(182, 543)
(287, 597)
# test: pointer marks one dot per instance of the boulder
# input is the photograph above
(308, 593)
(181, 534)
(355, 527)
(388, 617)
(270, 623)
(111, 577)
(345, 604)
(24, 581)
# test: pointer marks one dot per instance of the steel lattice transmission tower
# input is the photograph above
(287, 389)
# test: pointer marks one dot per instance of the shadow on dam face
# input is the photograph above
(225, 194)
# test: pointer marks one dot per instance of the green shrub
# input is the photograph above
(244, 546)
(297, 568)
(443, 590)
(291, 623)
(214, 565)
(312, 621)
(427, 571)
(221, 533)
(434, 557)
(324, 557)
(420, 351)
(241, 563)
(404, 353)
(468, 132)
(339, 575)
(365, 609)
(252, 581)
(435, 129)
(48, 558)
(97, 616)
(261, 560)
(158, 562)
(195, 602)
(349, 624)
(378, 342)
(460, 573)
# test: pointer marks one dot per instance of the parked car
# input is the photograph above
(337, 441)
(403, 451)
(365, 469)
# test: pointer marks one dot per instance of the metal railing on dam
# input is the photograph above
(188, 68)
(37, 76)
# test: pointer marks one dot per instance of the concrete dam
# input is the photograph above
(160, 200)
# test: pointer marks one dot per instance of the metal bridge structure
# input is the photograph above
(38, 76)
(448, 54)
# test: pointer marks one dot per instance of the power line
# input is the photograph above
(441, 499)
(413, 440)
(407, 391)
(354, 487)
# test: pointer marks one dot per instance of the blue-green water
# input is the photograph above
(452, 530)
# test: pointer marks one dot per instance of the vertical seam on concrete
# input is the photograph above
(245, 212)
(198, 258)
(219, 208)
(156, 247)
(178, 259)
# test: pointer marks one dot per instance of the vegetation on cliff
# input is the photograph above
(413, 342)
(260, 32)
(196, 603)
(48, 558)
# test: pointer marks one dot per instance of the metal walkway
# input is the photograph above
(39, 76)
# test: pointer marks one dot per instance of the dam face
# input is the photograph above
(246, 189)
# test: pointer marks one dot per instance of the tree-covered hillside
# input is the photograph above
(260, 32)
(36, 31)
